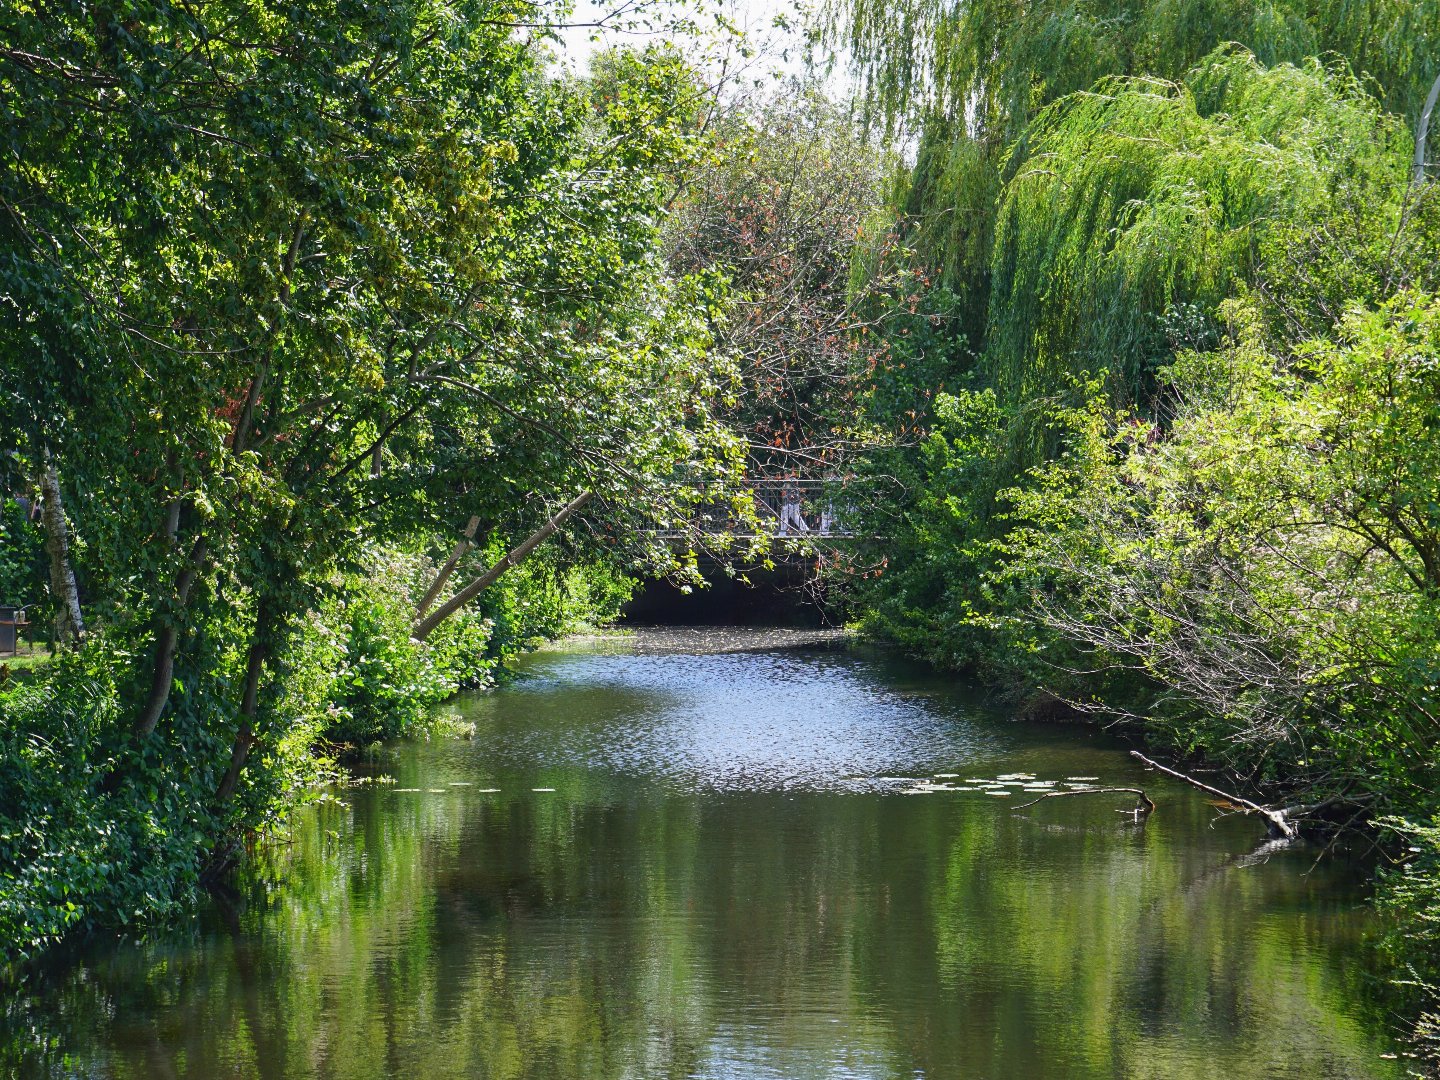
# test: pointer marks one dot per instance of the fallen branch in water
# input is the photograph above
(1280, 821)
(1245, 804)
(1143, 804)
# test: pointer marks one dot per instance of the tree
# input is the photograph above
(968, 79)
(787, 196)
(1141, 206)
(1266, 570)
(365, 273)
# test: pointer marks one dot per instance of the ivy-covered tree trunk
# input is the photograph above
(261, 647)
(69, 625)
(167, 624)
(167, 644)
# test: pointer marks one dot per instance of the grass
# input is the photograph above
(25, 665)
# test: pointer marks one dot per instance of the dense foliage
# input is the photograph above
(1175, 361)
(1143, 351)
(290, 295)
(790, 184)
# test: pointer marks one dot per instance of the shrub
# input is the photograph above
(77, 847)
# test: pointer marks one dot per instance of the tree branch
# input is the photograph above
(424, 627)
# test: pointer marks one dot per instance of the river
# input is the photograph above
(712, 854)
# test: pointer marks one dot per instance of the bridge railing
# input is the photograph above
(782, 508)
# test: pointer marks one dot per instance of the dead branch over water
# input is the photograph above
(1280, 822)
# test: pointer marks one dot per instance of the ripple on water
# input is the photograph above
(728, 719)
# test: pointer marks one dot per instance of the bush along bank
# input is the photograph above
(1177, 464)
(1245, 583)
(85, 845)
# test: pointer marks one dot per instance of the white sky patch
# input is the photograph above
(723, 31)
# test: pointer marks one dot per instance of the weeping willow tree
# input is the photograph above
(991, 64)
(968, 78)
(1143, 204)
(1123, 219)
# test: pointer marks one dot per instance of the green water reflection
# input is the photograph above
(727, 882)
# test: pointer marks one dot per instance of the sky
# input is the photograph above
(754, 17)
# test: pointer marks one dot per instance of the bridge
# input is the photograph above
(783, 509)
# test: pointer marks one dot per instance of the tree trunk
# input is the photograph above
(260, 647)
(69, 626)
(445, 571)
(1276, 821)
(1422, 131)
(167, 644)
(424, 627)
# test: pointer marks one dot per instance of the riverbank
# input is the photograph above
(104, 831)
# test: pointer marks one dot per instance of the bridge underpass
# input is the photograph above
(796, 524)
(782, 596)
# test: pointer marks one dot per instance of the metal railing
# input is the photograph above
(782, 508)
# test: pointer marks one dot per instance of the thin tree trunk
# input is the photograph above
(168, 624)
(445, 571)
(424, 627)
(167, 644)
(1422, 131)
(260, 646)
(1276, 821)
(69, 625)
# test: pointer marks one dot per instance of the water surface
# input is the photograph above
(650, 863)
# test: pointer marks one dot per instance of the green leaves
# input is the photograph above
(993, 64)
(289, 285)
(1139, 200)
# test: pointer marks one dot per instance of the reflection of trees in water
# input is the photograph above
(615, 930)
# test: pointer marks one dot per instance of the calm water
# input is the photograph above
(729, 880)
